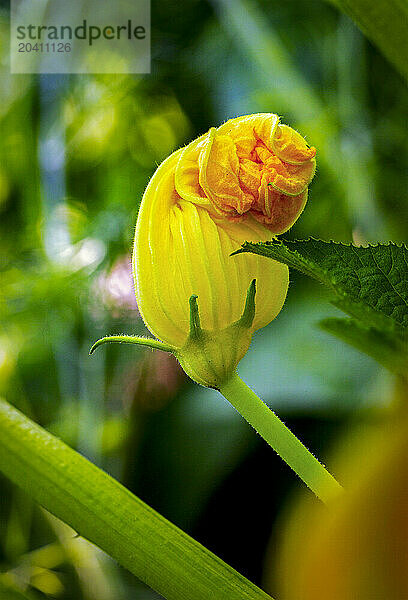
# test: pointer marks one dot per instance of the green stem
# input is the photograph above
(280, 438)
(107, 514)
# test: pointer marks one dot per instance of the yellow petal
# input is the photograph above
(181, 250)
(187, 173)
(154, 260)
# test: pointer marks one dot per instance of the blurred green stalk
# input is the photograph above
(385, 23)
(101, 510)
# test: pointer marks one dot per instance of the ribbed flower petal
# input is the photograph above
(181, 250)
(186, 178)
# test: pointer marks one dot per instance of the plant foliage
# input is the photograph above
(369, 283)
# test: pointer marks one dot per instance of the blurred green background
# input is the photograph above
(76, 153)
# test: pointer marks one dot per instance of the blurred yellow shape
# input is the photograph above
(356, 549)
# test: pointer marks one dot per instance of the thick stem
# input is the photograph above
(104, 512)
(280, 438)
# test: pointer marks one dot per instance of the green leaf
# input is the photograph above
(369, 283)
(385, 23)
(104, 512)
(385, 348)
(373, 277)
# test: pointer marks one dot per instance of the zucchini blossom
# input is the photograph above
(246, 180)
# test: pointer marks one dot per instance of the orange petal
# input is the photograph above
(246, 131)
(277, 211)
(289, 179)
(219, 169)
(250, 176)
(290, 146)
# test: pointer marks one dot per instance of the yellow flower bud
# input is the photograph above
(246, 180)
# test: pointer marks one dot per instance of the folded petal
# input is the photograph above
(219, 169)
(186, 177)
(290, 146)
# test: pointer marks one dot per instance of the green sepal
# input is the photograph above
(132, 339)
(208, 357)
(211, 357)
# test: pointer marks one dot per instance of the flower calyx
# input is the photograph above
(210, 357)
(207, 357)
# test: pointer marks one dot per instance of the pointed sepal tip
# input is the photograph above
(248, 314)
(195, 324)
